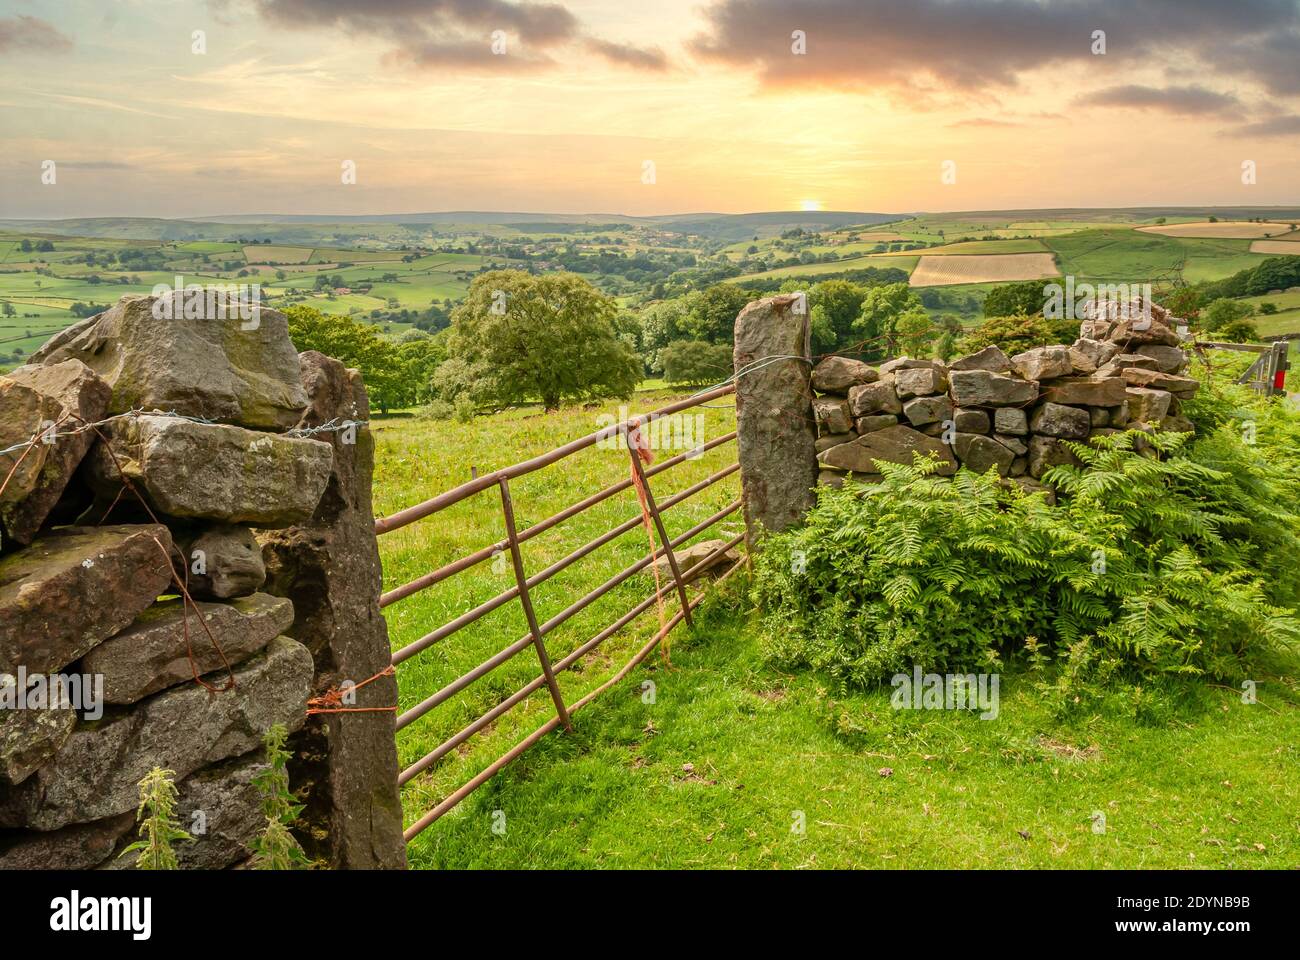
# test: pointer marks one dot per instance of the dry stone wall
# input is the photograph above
(1009, 413)
(145, 455)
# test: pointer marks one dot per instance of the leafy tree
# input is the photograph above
(355, 344)
(1222, 312)
(1238, 331)
(1013, 334)
(1268, 308)
(1275, 273)
(1012, 299)
(841, 305)
(884, 308)
(553, 336)
(711, 313)
(692, 363)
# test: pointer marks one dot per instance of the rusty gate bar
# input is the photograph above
(487, 606)
(420, 825)
(651, 515)
(578, 605)
(469, 560)
(526, 602)
(470, 487)
(633, 449)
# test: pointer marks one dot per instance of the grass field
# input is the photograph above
(734, 752)
(1230, 229)
(934, 271)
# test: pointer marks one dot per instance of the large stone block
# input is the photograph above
(1147, 406)
(1047, 452)
(1042, 363)
(1087, 391)
(212, 471)
(74, 587)
(80, 846)
(224, 562)
(1056, 420)
(991, 359)
(154, 652)
(871, 398)
(837, 374)
(919, 382)
(980, 388)
(832, 415)
(219, 369)
(925, 410)
(29, 737)
(774, 422)
(980, 453)
(892, 445)
(183, 729)
(32, 401)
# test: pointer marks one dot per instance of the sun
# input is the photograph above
(810, 204)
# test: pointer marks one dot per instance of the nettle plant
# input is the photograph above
(276, 848)
(159, 828)
(1171, 559)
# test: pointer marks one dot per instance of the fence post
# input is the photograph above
(527, 602)
(653, 509)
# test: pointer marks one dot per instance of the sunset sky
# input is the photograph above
(710, 91)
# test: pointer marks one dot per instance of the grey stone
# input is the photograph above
(1168, 359)
(837, 374)
(53, 401)
(80, 846)
(232, 560)
(979, 388)
(329, 567)
(1182, 387)
(980, 453)
(1046, 452)
(1087, 355)
(909, 363)
(1146, 405)
(1055, 420)
(878, 397)
(919, 382)
(153, 652)
(212, 471)
(1014, 444)
(972, 421)
(925, 410)
(1126, 361)
(1010, 420)
(877, 422)
(691, 561)
(893, 445)
(774, 423)
(991, 358)
(1100, 416)
(1042, 363)
(833, 440)
(1177, 423)
(74, 587)
(210, 368)
(832, 415)
(97, 772)
(31, 736)
(1086, 391)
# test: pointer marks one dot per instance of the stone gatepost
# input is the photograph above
(775, 430)
(205, 465)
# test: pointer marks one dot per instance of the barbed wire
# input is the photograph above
(334, 425)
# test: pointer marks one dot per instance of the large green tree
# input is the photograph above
(554, 337)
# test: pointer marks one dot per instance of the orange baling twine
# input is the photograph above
(641, 447)
(331, 701)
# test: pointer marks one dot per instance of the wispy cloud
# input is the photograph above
(24, 33)
(1189, 101)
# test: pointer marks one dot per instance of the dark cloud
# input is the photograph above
(456, 34)
(1191, 100)
(977, 45)
(31, 33)
(1284, 126)
(648, 58)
